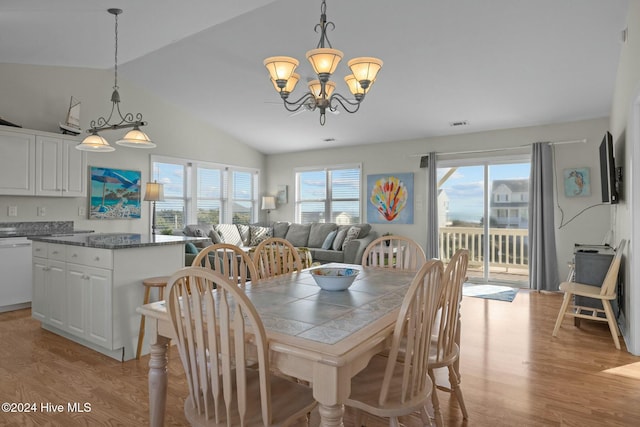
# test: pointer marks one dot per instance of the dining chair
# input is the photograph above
(398, 383)
(397, 252)
(275, 256)
(445, 346)
(217, 329)
(605, 293)
(230, 260)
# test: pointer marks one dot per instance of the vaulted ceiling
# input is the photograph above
(494, 63)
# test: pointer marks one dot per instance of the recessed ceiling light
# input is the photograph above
(458, 123)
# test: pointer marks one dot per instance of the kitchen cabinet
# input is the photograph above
(35, 163)
(90, 294)
(61, 170)
(17, 163)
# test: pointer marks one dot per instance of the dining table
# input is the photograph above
(321, 337)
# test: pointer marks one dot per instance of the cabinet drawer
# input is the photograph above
(92, 257)
(39, 249)
(57, 252)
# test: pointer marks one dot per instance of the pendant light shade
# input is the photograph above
(324, 60)
(135, 138)
(365, 68)
(290, 85)
(281, 67)
(316, 87)
(95, 143)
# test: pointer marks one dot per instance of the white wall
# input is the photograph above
(627, 153)
(37, 98)
(397, 157)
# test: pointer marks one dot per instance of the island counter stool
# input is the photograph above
(159, 282)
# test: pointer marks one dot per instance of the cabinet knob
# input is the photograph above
(74, 256)
(55, 252)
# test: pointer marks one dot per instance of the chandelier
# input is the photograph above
(324, 60)
(135, 137)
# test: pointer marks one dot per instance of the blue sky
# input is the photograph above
(465, 187)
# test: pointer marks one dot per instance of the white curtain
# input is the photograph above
(432, 211)
(543, 263)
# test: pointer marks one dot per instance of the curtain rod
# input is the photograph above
(491, 150)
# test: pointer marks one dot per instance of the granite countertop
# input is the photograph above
(116, 240)
(35, 233)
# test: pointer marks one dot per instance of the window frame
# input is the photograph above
(328, 200)
(190, 190)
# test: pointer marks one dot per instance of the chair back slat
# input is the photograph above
(230, 260)
(449, 307)
(395, 252)
(611, 278)
(212, 325)
(275, 256)
(412, 334)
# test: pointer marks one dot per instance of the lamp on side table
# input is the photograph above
(154, 192)
(268, 203)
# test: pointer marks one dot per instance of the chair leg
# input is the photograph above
(436, 403)
(454, 380)
(563, 310)
(147, 296)
(613, 326)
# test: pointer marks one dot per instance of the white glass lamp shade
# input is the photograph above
(154, 192)
(281, 67)
(95, 142)
(135, 138)
(315, 87)
(291, 83)
(268, 202)
(365, 68)
(324, 60)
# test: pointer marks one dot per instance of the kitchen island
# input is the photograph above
(86, 287)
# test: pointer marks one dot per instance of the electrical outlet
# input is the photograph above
(81, 211)
(42, 211)
(12, 211)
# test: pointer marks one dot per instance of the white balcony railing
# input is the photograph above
(508, 247)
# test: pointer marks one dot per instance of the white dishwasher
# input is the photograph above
(15, 273)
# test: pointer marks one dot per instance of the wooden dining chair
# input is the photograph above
(445, 348)
(275, 256)
(398, 252)
(218, 331)
(605, 293)
(398, 384)
(229, 260)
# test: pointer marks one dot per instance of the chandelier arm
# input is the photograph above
(294, 106)
(349, 106)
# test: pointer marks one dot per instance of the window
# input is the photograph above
(328, 195)
(204, 193)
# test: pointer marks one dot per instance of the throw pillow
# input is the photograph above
(337, 242)
(329, 240)
(258, 234)
(190, 248)
(215, 237)
(352, 234)
(245, 234)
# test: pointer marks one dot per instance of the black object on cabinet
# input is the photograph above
(591, 267)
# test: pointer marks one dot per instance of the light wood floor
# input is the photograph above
(513, 373)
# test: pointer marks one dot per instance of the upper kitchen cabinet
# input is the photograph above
(61, 170)
(34, 163)
(17, 163)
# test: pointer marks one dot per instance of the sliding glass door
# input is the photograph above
(483, 206)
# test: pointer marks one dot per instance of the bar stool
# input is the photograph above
(159, 282)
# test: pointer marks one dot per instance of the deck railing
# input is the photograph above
(508, 247)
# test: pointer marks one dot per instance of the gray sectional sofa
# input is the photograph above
(328, 242)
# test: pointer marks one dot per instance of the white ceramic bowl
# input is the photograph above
(334, 278)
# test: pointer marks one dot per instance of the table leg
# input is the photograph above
(158, 381)
(331, 415)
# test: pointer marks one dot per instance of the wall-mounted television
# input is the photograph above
(608, 170)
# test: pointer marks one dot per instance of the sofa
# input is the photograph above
(327, 242)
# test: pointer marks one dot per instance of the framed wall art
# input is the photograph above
(114, 193)
(577, 182)
(390, 198)
(282, 195)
